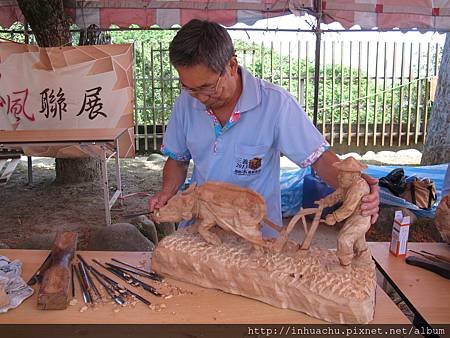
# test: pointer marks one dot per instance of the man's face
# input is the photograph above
(212, 89)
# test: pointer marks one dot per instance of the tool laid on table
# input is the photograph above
(129, 279)
(121, 289)
(153, 274)
(442, 258)
(37, 277)
(84, 293)
(139, 273)
(441, 268)
(431, 258)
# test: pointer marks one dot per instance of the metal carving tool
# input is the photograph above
(83, 291)
(37, 277)
(147, 275)
(151, 273)
(134, 281)
(72, 281)
(85, 281)
(109, 289)
(443, 258)
(86, 267)
(117, 287)
(427, 256)
(130, 279)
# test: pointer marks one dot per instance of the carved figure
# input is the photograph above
(351, 243)
(231, 207)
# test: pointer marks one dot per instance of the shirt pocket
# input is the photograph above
(249, 161)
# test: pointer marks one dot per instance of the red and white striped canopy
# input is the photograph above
(383, 14)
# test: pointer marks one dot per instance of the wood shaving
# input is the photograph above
(73, 302)
(84, 308)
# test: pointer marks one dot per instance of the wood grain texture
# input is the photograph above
(54, 290)
(203, 306)
(293, 279)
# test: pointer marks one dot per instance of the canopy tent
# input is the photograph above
(383, 14)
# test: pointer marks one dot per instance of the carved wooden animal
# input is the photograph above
(231, 207)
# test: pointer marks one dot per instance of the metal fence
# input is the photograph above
(371, 93)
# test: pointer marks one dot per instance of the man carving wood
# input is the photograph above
(351, 243)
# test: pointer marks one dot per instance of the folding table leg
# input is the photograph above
(105, 186)
(118, 177)
(30, 170)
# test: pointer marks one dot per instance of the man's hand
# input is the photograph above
(370, 203)
(330, 220)
(158, 200)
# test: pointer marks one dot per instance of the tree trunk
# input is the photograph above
(51, 27)
(48, 21)
(436, 149)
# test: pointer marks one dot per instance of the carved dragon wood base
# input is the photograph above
(296, 279)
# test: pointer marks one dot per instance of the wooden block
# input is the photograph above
(54, 290)
(300, 280)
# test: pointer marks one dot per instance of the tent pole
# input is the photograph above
(318, 33)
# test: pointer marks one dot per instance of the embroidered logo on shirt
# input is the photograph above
(248, 167)
(255, 163)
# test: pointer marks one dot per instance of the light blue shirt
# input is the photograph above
(267, 121)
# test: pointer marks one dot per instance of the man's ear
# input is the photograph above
(234, 65)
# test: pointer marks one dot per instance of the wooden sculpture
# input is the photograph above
(351, 242)
(330, 285)
(231, 207)
(54, 289)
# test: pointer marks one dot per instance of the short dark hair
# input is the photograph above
(201, 42)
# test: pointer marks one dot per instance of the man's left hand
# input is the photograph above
(370, 203)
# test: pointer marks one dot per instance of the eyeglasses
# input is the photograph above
(209, 90)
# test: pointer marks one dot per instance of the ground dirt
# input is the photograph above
(33, 211)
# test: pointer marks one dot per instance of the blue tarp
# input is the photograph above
(292, 187)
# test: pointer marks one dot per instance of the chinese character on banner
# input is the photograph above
(92, 103)
(51, 104)
(15, 104)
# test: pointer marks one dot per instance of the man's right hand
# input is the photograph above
(158, 200)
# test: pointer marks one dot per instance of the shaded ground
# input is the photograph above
(29, 214)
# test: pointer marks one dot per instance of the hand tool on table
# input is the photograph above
(121, 289)
(84, 282)
(90, 282)
(86, 298)
(442, 258)
(431, 258)
(72, 281)
(37, 277)
(440, 268)
(151, 273)
(109, 290)
(129, 279)
(114, 266)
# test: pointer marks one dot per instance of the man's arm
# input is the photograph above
(174, 175)
(328, 173)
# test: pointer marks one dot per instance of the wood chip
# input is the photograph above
(73, 302)
(84, 308)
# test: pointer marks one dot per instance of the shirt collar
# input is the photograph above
(250, 96)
